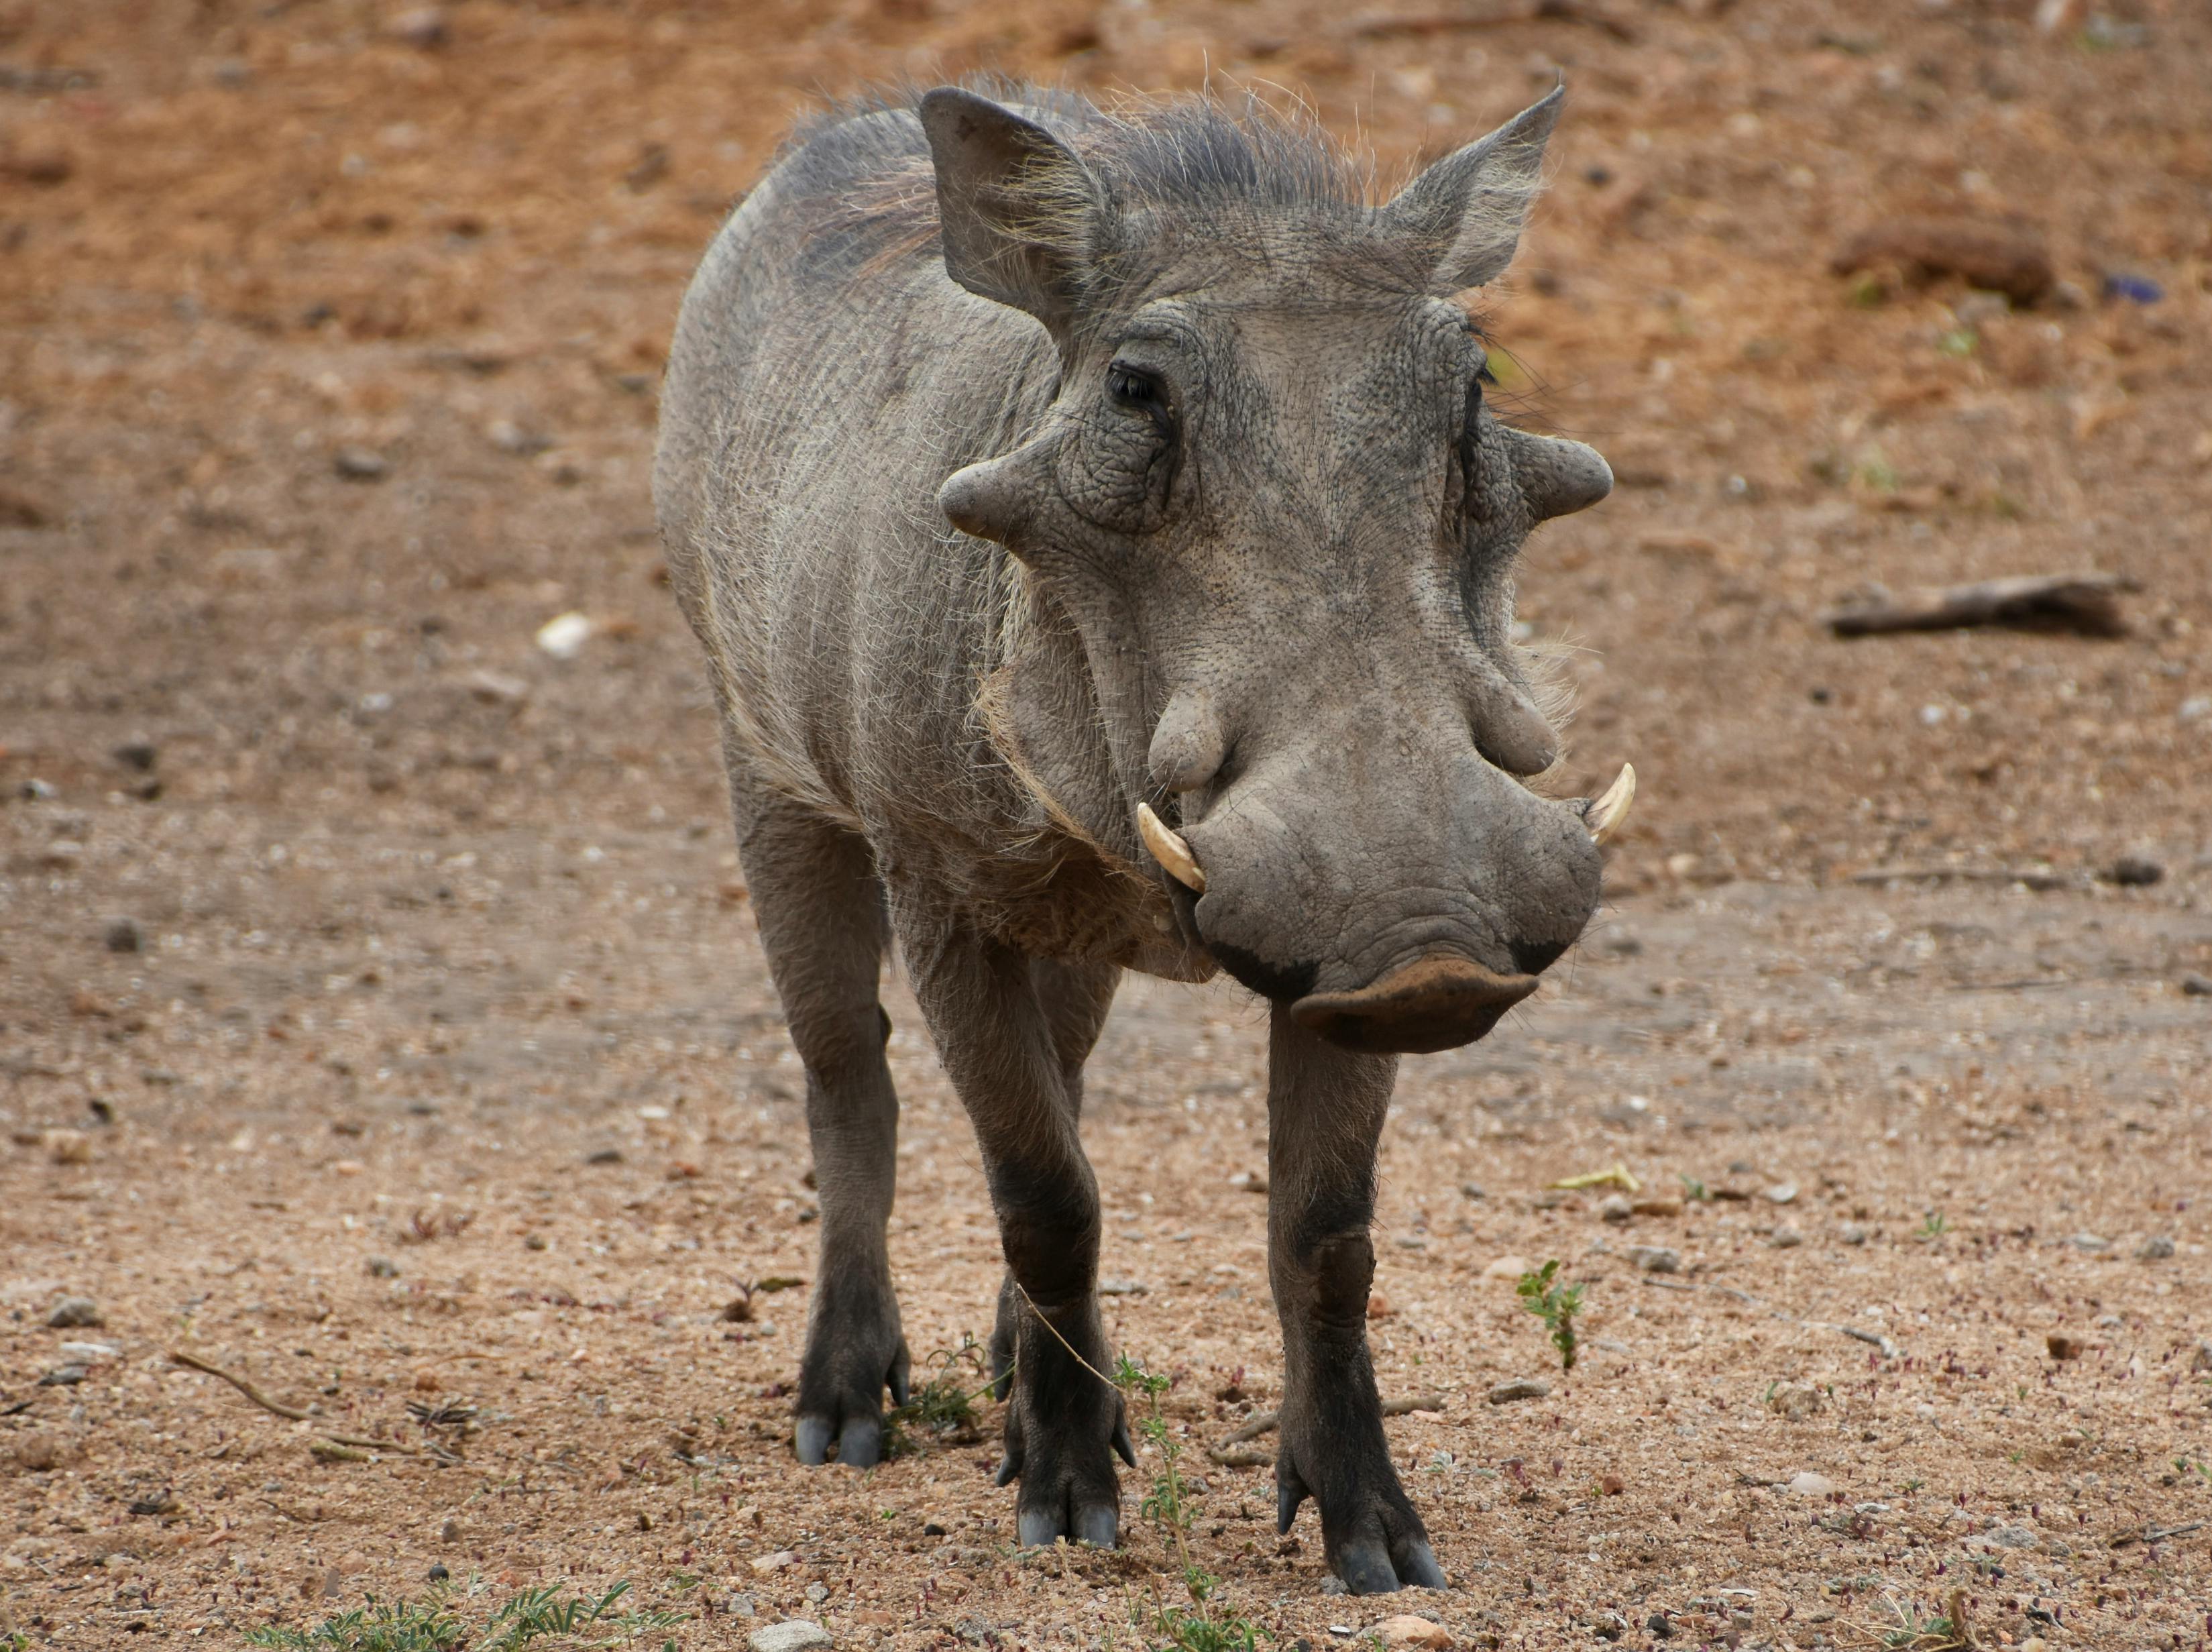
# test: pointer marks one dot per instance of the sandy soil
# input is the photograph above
(380, 1018)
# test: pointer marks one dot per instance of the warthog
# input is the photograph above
(1103, 554)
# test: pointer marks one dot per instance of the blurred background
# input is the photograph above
(329, 335)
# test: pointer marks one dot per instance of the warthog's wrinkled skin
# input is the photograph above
(1021, 464)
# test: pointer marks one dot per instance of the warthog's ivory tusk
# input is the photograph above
(1169, 850)
(1604, 817)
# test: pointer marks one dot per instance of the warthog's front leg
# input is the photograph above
(1325, 1111)
(997, 1036)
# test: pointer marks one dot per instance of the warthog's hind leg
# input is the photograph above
(820, 908)
(1001, 1041)
(1325, 1111)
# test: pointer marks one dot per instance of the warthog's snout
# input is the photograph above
(1435, 1003)
(1418, 935)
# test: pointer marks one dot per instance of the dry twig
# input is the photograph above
(195, 1363)
(2086, 602)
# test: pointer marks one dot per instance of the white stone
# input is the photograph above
(793, 1634)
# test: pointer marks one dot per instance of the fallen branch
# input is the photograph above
(2086, 602)
(2158, 1534)
(1382, 27)
(2040, 880)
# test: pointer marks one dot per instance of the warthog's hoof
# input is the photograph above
(1373, 1539)
(841, 1388)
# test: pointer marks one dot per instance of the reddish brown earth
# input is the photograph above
(430, 923)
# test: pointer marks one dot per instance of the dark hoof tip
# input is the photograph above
(1365, 1568)
(1036, 1529)
(1419, 1570)
(1098, 1526)
(861, 1444)
(811, 1437)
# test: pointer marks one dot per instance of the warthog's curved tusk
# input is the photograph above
(1169, 850)
(1604, 816)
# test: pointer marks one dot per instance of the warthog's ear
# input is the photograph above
(1019, 210)
(1467, 209)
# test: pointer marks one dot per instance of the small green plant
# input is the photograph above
(1909, 1487)
(1206, 1625)
(429, 1625)
(1933, 1226)
(1874, 472)
(1914, 1633)
(943, 1409)
(381, 1627)
(1959, 342)
(1694, 1190)
(1556, 1305)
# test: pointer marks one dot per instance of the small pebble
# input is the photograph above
(1407, 1631)
(1655, 1259)
(2134, 872)
(1786, 1238)
(1810, 1484)
(2090, 1242)
(1851, 1234)
(1519, 1387)
(1660, 1625)
(89, 1353)
(2195, 986)
(359, 464)
(438, 1574)
(1471, 1190)
(424, 29)
(2156, 1249)
(2062, 1346)
(793, 1634)
(73, 1311)
(62, 1376)
(68, 1147)
(1782, 1192)
(1508, 1267)
(776, 1562)
(383, 1267)
(1614, 1207)
(122, 935)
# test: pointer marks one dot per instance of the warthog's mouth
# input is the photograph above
(1436, 1002)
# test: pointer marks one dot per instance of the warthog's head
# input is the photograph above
(1271, 499)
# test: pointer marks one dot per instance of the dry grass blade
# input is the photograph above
(193, 1361)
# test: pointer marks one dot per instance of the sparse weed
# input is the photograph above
(1934, 1225)
(1556, 1305)
(429, 1625)
(943, 1409)
(1204, 1625)
(1694, 1190)
(1918, 1634)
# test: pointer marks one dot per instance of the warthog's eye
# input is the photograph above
(1470, 424)
(1138, 390)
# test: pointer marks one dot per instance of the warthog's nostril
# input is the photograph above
(1432, 1003)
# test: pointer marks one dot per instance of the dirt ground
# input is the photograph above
(380, 1017)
